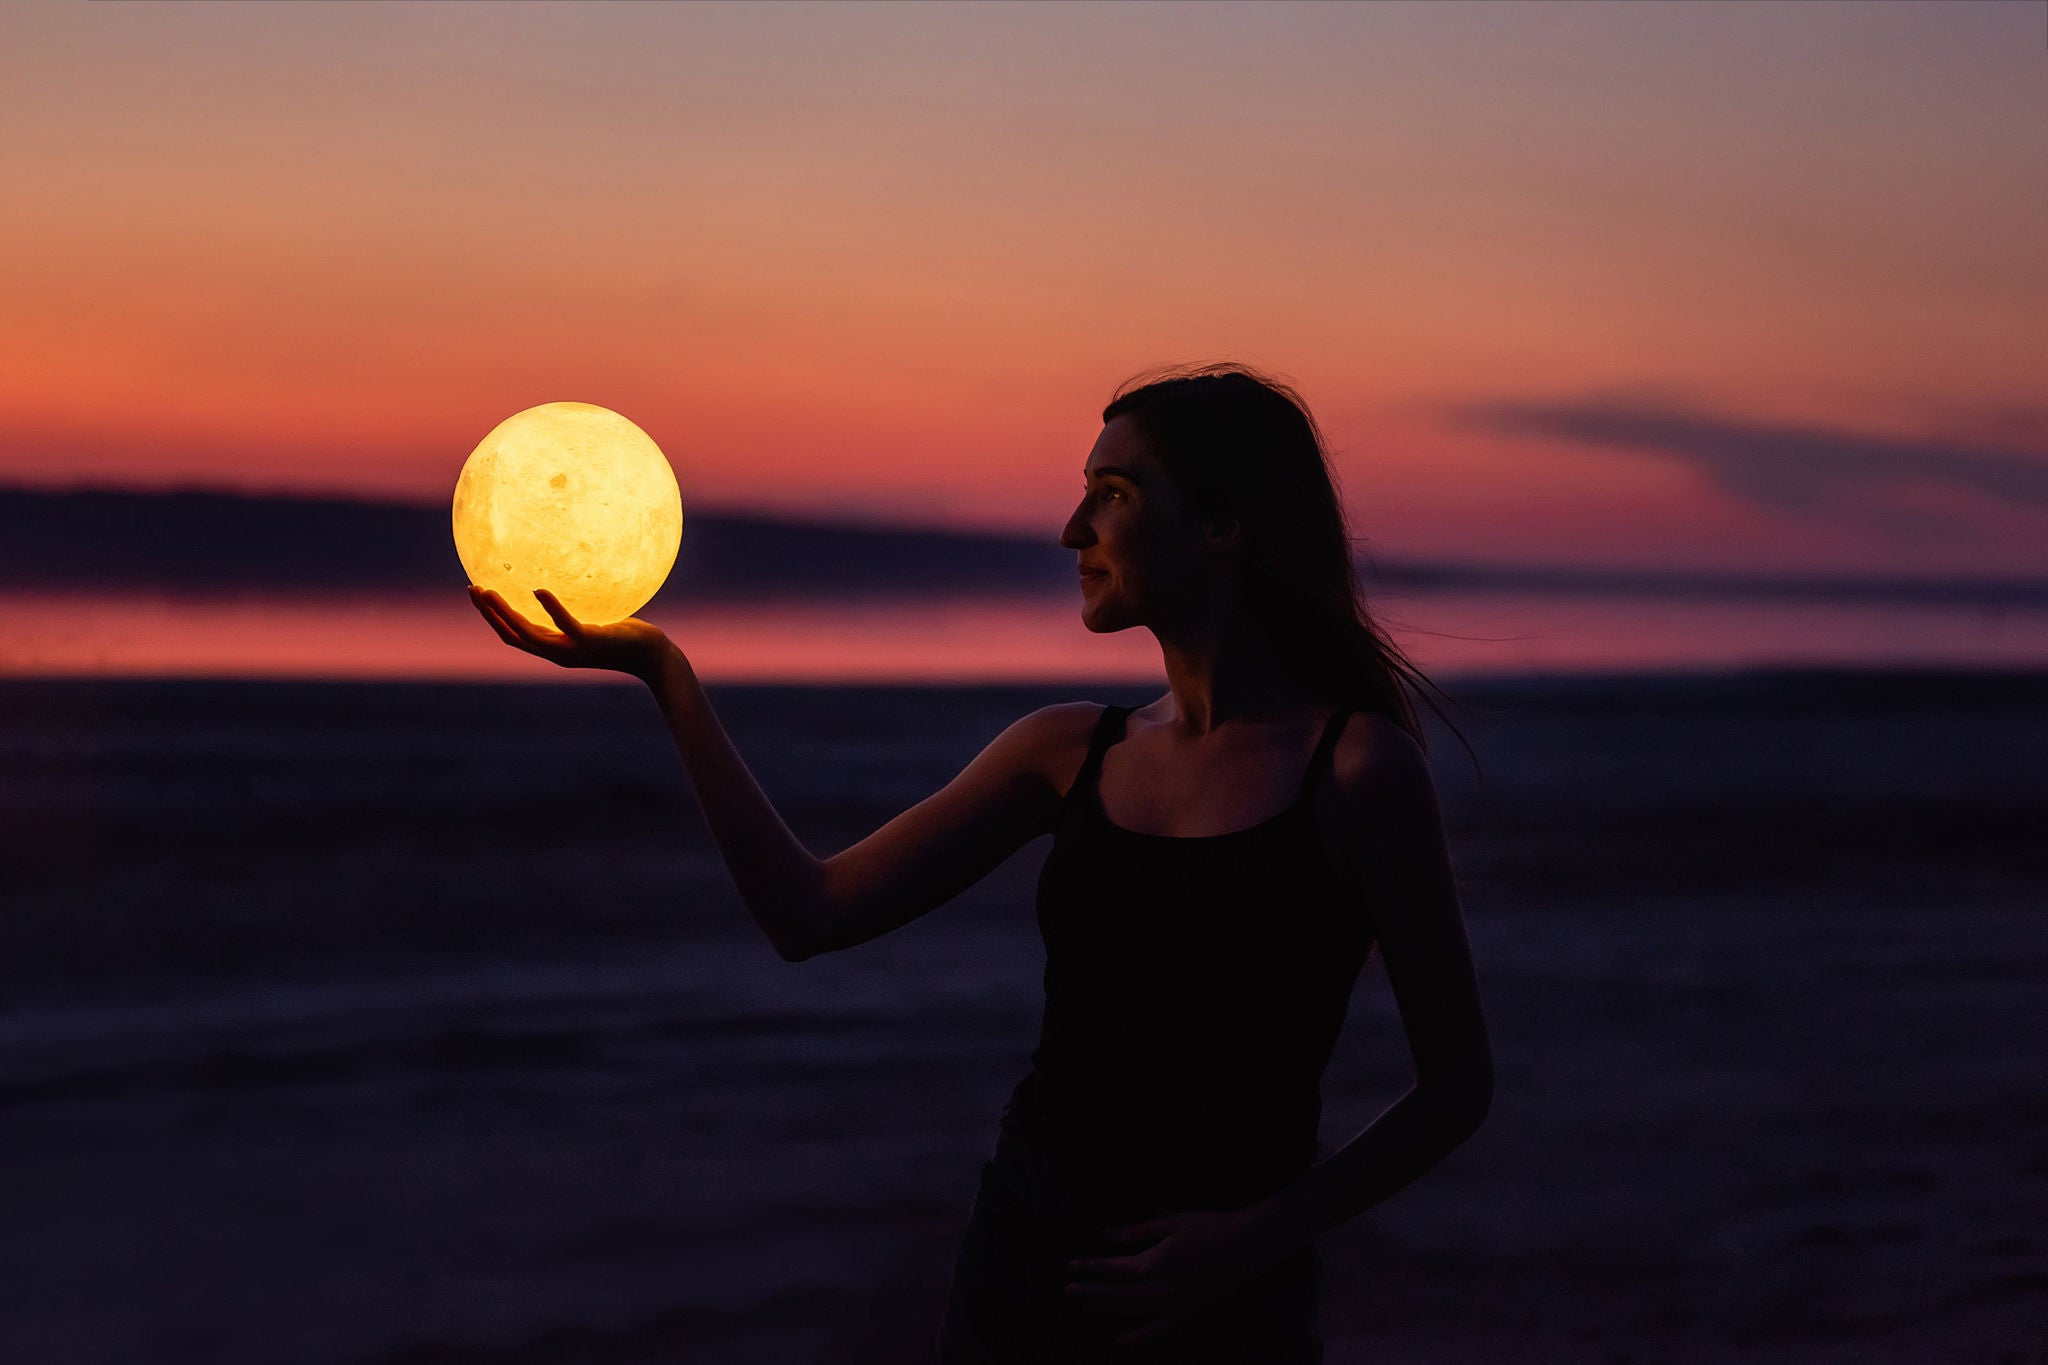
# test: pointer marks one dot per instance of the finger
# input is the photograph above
(520, 631)
(494, 602)
(1151, 1331)
(497, 623)
(1119, 1300)
(1106, 1268)
(558, 613)
(514, 627)
(525, 627)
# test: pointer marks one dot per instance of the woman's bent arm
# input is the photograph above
(1398, 855)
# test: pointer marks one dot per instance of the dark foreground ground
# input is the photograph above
(418, 1025)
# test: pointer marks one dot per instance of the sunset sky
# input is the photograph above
(1749, 286)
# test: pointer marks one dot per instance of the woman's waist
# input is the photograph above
(1184, 1155)
(1094, 1176)
(1242, 1092)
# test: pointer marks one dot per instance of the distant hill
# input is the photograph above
(204, 542)
(209, 542)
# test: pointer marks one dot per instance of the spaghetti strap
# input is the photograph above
(1325, 747)
(1110, 720)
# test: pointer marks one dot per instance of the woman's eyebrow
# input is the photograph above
(1116, 469)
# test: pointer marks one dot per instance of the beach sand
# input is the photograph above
(419, 1024)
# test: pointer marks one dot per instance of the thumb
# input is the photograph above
(550, 604)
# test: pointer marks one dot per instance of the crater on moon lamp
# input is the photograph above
(573, 498)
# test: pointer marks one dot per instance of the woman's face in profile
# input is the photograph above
(1135, 532)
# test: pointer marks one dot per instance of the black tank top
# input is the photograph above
(1194, 990)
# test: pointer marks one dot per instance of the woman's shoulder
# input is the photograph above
(1379, 795)
(1064, 718)
(1054, 739)
(1376, 756)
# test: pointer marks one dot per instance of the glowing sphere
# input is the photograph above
(573, 498)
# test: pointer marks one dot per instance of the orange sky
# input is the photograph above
(889, 261)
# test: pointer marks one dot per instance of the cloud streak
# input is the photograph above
(1797, 469)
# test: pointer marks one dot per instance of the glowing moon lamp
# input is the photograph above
(573, 498)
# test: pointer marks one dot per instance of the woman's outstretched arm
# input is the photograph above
(778, 879)
(806, 905)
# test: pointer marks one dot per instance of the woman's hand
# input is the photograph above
(1190, 1262)
(629, 646)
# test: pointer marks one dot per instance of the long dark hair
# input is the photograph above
(1242, 446)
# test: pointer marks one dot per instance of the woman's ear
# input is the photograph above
(1224, 533)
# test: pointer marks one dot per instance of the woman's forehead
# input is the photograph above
(1120, 447)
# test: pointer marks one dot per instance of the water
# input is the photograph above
(983, 638)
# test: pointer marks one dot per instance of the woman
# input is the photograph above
(1223, 859)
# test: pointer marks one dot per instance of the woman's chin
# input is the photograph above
(1100, 622)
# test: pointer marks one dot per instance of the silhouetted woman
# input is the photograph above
(1222, 861)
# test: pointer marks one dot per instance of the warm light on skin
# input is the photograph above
(573, 498)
